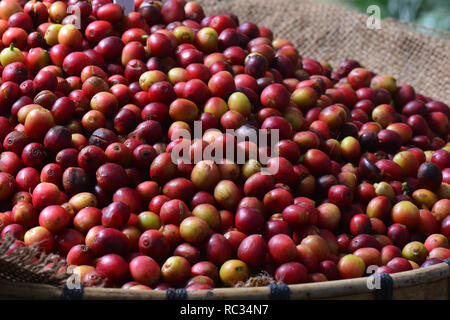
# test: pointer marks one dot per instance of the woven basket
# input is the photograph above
(333, 34)
(413, 54)
(427, 283)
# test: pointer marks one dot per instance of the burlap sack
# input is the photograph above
(326, 32)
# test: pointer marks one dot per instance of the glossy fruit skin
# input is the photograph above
(340, 195)
(291, 273)
(435, 241)
(317, 161)
(11, 163)
(54, 218)
(205, 175)
(295, 215)
(144, 270)
(91, 158)
(218, 249)
(441, 158)
(431, 262)
(440, 209)
(113, 266)
(37, 123)
(15, 141)
(411, 215)
(42, 237)
(440, 253)
(74, 63)
(111, 176)
(378, 207)
(153, 244)
(388, 253)
(173, 212)
(429, 175)
(75, 180)
(175, 270)
(318, 246)
(363, 241)
(208, 213)
(445, 227)
(200, 282)
(275, 96)
(205, 268)
(67, 158)
(83, 200)
(57, 138)
(15, 230)
(27, 179)
(278, 123)
(282, 249)
(329, 269)
(109, 240)
(351, 266)
(277, 200)
(399, 264)
(399, 234)
(428, 224)
(307, 257)
(87, 218)
(15, 72)
(162, 169)
(194, 230)
(359, 224)
(24, 214)
(252, 250)
(258, 184)
(45, 194)
(80, 255)
(415, 251)
(227, 194)
(249, 220)
(115, 215)
(98, 30)
(67, 239)
(156, 203)
(370, 256)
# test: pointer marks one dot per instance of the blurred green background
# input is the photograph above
(429, 13)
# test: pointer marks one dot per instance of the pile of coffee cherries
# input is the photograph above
(94, 103)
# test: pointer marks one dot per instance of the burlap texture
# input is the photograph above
(321, 31)
(327, 32)
(261, 279)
